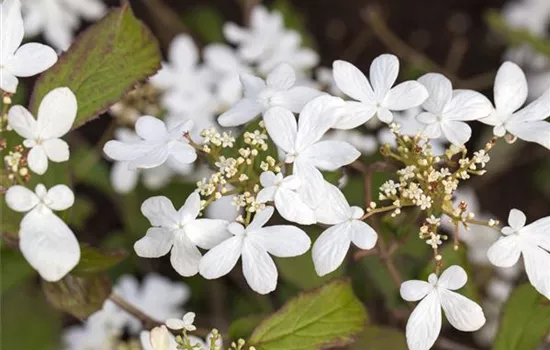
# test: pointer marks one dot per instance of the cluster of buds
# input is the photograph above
(16, 165)
(240, 345)
(143, 100)
(212, 138)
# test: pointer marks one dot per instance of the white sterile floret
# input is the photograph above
(448, 109)
(532, 242)
(184, 323)
(25, 61)
(159, 338)
(278, 90)
(45, 240)
(330, 249)
(283, 193)
(254, 244)
(510, 93)
(157, 146)
(380, 99)
(179, 231)
(302, 146)
(56, 115)
(424, 324)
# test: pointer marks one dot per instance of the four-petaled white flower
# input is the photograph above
(260, 96)
(510, 93)
(447, 110)
(185, 323)
(424, 323)
(25, 61)
(283, 193)
(330, 249)
(179, 231)
(380, 99)
(45, 240)
(254, 243)
(56, 115)
(300, 142)
(532, 242)
(158, 145)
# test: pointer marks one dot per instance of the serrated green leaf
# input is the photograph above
(525, 320)
(93, 260)
(380, 338)
(104, 62)
(329, 316)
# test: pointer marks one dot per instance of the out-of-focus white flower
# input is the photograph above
(184, 323)
(159, 338)
(380, 99)
(19, 61)
(58, 19)
(447, 110)
(45, 240)
(255, 243)
(56, 115)
(532, 242)
(330, 249)
(424, 324)
(326, 79)
(260, 96)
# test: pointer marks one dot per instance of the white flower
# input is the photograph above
(447, 110)
(179, 231)
(300, 142)
(58, 19)
(424, 323)
(159, 338)
(185, 323)
(25, 61)
(330, 249)
(45, 240)
(282, 191)
(56, 115)
(260, 96)
(510, 93)
(254, 243)
(381, 98)
(532, 242)
(158, 145)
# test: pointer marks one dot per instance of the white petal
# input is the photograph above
(252, 85)
(362, 235)
(355, 114)
(12, 27)
(185, 256)
(297, 97)
(440, 92)
(352, 81)
(118, 150)
(56, 113)
(207, 233)
(221, 259)
(268, 178)
(317, 117)
(510, 88)
(151, 128)
(453, 278)
(516, 219)
(462, 313)
(535, 111)
(57, 150)
(48, 244)
(190, 209)
(293, 208)
(31, 59)
(175, 323)
(22, 121)
(415, 290)
(21, 199)
(330, 249)
(267, 195)
(330, 155)
(156, 243)
(383, 74)
(384, 115)
(539, 232)
(241, 113)
(458, 133)
(282, 240)
(334, 207)
(37, 159)
(152, 159)
(536, 262)
(61, 197)
(426, 118)
(259, 269)
(424, 324)
(282, 77)
(183, 52)
(433, 131)
(260, 219)
(504, 252)
(123, 179)
(537, 131)
(406, 95)
(282, 127)
(182, 152)
(467, 105)
(313, 183)
(159, 211)
(8, 81)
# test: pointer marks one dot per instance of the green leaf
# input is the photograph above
(14, 269)
(78, 296)
(105, 62)
(207, 22)
(244, 326)
(525, 321)
(93, 260)
(380, 338)
(326, 317)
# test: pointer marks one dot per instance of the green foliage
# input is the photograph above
(93, 260)
(380, 338)
(243, 327)
(105, 62)
(525, 320)
(207, 22)
(325, 317)
(14, 269)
